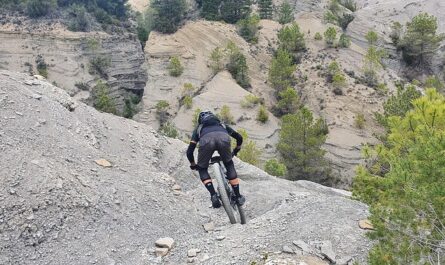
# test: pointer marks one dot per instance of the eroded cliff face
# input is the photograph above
(68, 56)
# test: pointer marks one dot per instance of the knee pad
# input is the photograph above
(204, 174)
(231, 172)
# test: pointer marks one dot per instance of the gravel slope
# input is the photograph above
(58, 206)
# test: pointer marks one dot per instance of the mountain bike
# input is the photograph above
(228, 199)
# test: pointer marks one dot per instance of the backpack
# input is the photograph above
(212, 119)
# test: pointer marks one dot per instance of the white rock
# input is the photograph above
(220, 238)
(288, 250)
(303, 246)
(327, 251)
(209, 226)
(165, 242)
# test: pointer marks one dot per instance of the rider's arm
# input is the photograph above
(238, 137)
(191, 148)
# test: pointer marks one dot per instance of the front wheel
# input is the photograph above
(223, 194)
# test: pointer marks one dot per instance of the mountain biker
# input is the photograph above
(213, 135)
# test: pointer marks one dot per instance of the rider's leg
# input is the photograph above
(206, 180)
(233, 177)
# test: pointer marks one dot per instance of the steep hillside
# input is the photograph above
(68, 56)
(62, 204)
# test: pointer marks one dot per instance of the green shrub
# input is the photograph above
(288, 102)
(344, 41)
(349, 4)
(275, 168)
(169, 130)
(168, 14)
(372, 37)
(237, 66)
(359, 121)
(82, 86)
(187, 101)
(263, 115)
(318, 36)
(248, 28)
(39, 8)
(333, 69)
(330, 36)
(285, 13)
(188, 90)
(266, 9)
(42, 66)
(216, 60)
(226, 116)
(249, 153)
(291, 39)
(195, 117)
(175, 68)
(382, 89)
(80, 20)
(339, 80)
(250, 101)
(99, 65)
(130, 106)
(162, 111)
(434, 82)
(102, 100)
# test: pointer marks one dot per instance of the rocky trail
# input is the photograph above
(82, 187)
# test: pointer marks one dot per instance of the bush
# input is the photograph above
(195, 117)
(275, 168)
(381, 89)
(168, 14)
(216, 60)
(226, 116)
(169, 130)
(188, 90)
(330, 36)
(291, 39)
(39, 8)
(250, 101)
(231, 11)
(349, 4)
(99, 65)
(187, 101)
(129, 107)
(345, 20)
(162, 111)
(145, 22)
(318, 36)
(339, 80)
(288, 102)
(237, 66)
(265, 9)
(82, 86)
(248, 28)
(175, 68)
(263, 115)
(285, 13)
(359, 121)
(434, 82)
(249, 152)
(344, 41)
(80, 20)
(42, 67)
(102, 100)
(372, 37)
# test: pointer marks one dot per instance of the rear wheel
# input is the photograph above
(238, 210)
(223, 194)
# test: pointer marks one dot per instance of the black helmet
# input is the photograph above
(204, 115)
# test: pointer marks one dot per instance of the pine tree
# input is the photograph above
(210, 9)
(281, 72)
(291, 39)
(301, 139)
(285, 14)
(168, 14)
(265, 9)
(234, 10)
(330, 36)
(421, 40)
(407, 198)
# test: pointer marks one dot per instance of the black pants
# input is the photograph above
(208, 144)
